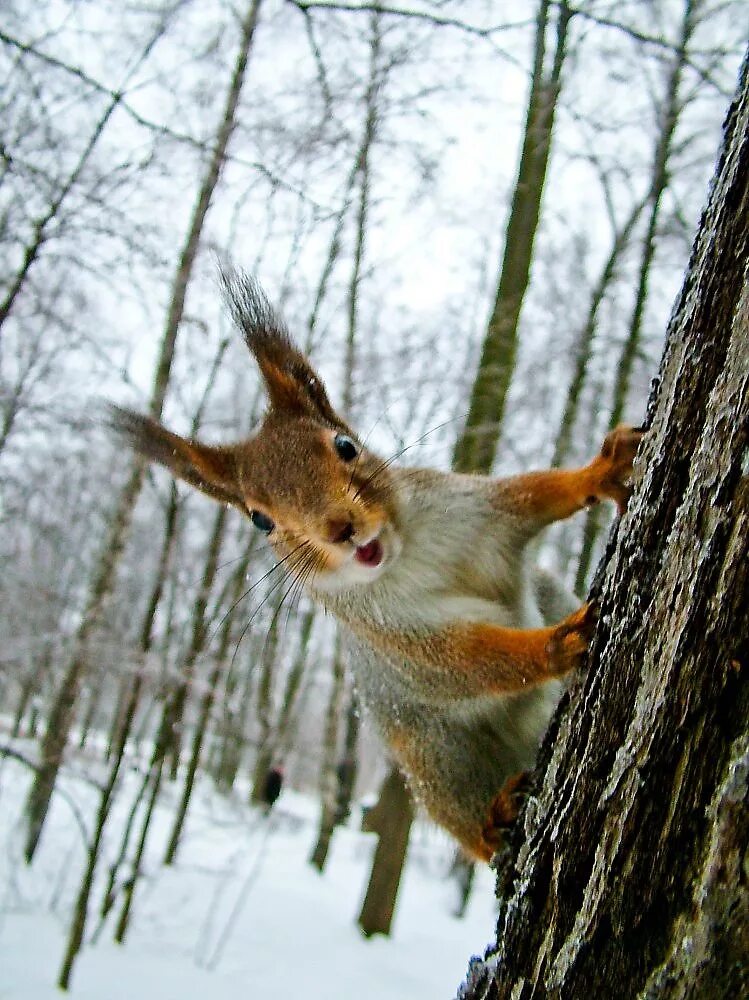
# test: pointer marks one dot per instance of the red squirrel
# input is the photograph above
(455, 636)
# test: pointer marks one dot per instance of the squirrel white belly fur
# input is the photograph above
(468, 746)
(452, 631)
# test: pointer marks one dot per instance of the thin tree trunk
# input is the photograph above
(199, 635)
(201, 725)
(363, 160)
(205, 197)
(63, 708)
(95, 693)
(151, 784)
(631, 346)
(28, 689)
(156, 773)
(236, 724)
(146, 632)
(60, 718)
(328, 779)
(477, 445)
(627, 878)
(349, 762)
(109, 896)
(78, 923)
(586, 337)
(283, 727)
(30, 686)
(277, 741)
(227, 761)
(264, 707)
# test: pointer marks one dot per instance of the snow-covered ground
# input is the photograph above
(241, 913)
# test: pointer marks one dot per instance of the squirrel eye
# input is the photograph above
(261, 522)
(345, 447)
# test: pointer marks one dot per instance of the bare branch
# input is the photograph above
(417, 15)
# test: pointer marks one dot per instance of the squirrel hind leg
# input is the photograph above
(503, 812)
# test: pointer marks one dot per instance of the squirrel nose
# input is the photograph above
(340, 530)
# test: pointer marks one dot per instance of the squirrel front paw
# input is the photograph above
(570, 639)
(616, 458)
(504, 810)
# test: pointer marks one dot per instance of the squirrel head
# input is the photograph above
(303, 478)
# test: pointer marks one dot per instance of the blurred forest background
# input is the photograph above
(473, 215)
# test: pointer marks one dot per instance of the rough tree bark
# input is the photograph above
(626, 874)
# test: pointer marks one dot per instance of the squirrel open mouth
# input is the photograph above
(370, 554)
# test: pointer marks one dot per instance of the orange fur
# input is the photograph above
(473, 659)
(454, 663)
(554, 494)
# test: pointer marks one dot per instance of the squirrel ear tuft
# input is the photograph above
(213, 470)
(292, 383)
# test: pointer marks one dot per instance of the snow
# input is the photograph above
(241, 913)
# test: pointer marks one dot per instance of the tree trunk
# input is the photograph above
(177, 701)
(328, 776)
(477, 445)
(155, 775)
(392, 815)
(631, 347)
(80, 912)
(207, 702)
(348, 767)
(627, 877)
(130, 688)
(584, 344)
(268, 662)
(227, 741)
(284, 726)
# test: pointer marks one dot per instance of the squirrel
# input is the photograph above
(457, 640)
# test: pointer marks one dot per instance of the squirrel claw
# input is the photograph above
(569, 642)
(618, 452)
(505, 808)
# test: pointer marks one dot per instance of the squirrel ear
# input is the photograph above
(213, 470)
(292, 383)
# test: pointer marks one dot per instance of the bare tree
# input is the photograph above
(477, 445)
(669, 117)
(62, 711)
(41, 226)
